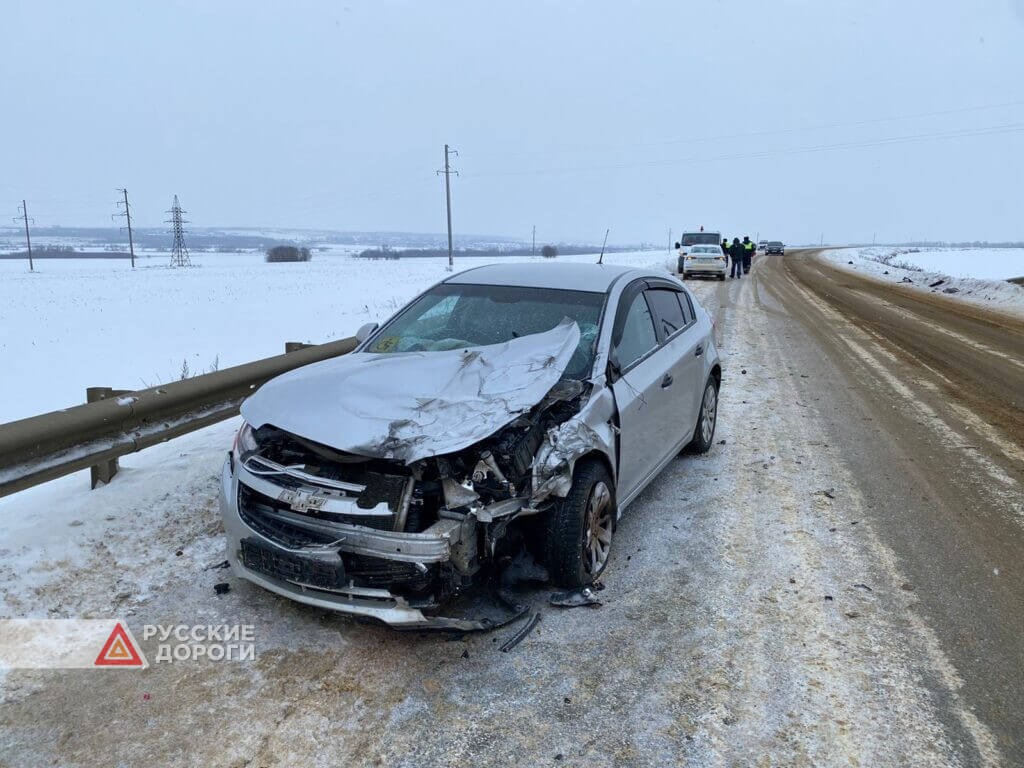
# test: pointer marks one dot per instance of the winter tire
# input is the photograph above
(579, 530)
(707, 419)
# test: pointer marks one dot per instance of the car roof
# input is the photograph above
(596, 278)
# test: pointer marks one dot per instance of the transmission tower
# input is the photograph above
(179, 251)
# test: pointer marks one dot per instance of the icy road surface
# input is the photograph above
(832, 585)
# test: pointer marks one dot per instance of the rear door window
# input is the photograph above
(669, 311)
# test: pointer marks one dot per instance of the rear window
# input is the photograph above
(700, 238)
(669, 311)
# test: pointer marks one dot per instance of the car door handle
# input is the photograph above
(667, 381)
(698, 351)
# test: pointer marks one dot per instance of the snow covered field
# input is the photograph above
(983, 263)
(74, 324)
(977, 275)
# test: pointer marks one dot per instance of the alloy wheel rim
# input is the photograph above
(599, 529)
(708, 414)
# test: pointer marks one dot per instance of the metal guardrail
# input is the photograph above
(118, 422)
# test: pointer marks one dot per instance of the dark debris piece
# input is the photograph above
(222, 588)
(519, 636)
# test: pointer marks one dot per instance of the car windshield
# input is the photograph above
(775, 242)
(700, 238)
(453, 316)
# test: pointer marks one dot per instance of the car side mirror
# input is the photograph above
(364, 332)
(678, 246)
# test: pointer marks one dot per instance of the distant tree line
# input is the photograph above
(547, 251)
(288, 253)
(64, 252)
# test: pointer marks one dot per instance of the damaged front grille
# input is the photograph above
(365, 571)
(314, 572)
(267, 516)
(330, 571)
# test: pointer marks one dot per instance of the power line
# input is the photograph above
(28, 239)
(909, 139)
(755, 134)
(127, 214)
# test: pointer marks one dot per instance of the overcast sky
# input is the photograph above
(792, 118)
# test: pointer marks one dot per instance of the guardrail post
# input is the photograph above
(105, 471)
(294, 346)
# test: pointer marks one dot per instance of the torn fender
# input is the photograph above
(592, 429)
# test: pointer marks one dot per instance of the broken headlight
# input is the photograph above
(245, 441)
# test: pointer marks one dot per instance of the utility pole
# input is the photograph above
(670, 240)
(822, 240)
(28, 240)
(127, 213)
(533, 242)
(873, 235)
(448, 171)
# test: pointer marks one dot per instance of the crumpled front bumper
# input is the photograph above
(381, 604)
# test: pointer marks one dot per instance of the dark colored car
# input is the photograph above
(774, 246)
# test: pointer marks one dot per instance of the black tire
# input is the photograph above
(722, 277)
(704, 438)
(682, 275)
(568, 549)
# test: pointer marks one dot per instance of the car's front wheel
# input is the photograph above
(707, 419)
(579, 530)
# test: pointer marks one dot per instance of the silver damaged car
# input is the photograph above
(509, 409)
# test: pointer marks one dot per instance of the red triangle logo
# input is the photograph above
(120, 650)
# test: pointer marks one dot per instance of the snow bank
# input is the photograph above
(74, 324)
(962, 272)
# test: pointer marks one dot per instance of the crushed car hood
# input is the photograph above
(411, 405)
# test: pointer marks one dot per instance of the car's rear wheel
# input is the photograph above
(707, 419)
(579, 530)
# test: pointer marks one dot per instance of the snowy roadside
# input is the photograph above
(880, 263)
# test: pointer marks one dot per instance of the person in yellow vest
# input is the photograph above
(748, 253)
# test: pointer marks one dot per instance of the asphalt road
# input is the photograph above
(935, 435)
(838, 582)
